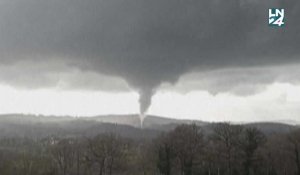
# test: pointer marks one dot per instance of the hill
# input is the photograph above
(38, 126)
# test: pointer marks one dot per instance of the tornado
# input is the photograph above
(145, 102)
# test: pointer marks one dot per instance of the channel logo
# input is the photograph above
(276, 17)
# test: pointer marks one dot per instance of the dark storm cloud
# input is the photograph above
(146, 42)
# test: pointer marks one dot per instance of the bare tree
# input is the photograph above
(105, 150)
(188, 143)
(228, 138)
(165, 154)
(294, 140)
(64, 155)
(252, 139)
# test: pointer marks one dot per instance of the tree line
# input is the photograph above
(186, 150)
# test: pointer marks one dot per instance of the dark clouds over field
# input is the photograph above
(146, 43)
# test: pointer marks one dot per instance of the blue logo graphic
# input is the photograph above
(276, 17)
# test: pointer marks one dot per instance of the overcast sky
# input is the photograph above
(202, 59)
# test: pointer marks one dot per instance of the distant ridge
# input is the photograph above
(149, 122)
(153, 123)
(128, 119)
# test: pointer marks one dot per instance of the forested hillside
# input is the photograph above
(39, 145)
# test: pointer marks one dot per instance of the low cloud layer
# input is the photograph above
(144, 42)
(237, 81)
